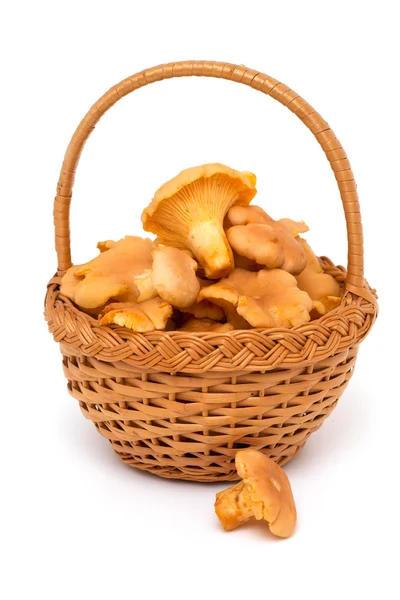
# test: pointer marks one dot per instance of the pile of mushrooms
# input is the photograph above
(217, 263)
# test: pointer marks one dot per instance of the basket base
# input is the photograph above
(190, 426)
(198, 474)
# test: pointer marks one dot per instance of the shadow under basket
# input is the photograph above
(181, 404)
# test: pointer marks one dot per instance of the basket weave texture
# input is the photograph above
(181, 404)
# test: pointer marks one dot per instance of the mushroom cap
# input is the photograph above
(206, 310)
(174, 276)
(122, 270)
(267, 298)
(140, 316)
(324, 305)
(267, 491)
(295, 227)
(274, 244)
(206, 325)
(257, 242)
(314, 280)
(225, 297)
(244, 215)
(242, 262)
(244, 183)
(188, 212)
(106, 245)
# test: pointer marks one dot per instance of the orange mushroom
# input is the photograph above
(174, 276)
(264, 493)
(274, 244)
(267, 298)
(188, 212)
(140, 316)
(122, 270)
(315, 281)
(324, 305)
(205, 310)
(206, 325)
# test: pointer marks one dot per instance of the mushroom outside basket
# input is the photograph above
(180, 404)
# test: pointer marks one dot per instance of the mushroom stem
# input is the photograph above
(209, 244)
(231, 508)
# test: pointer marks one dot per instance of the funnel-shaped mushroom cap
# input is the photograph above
(188, 212)
(268, 298)
(122, 270)
(256, 236)
(174, 276)
(313, 280)
(140, 316)
(264, 493)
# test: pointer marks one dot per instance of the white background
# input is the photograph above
(77, 523)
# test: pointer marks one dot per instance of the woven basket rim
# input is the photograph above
(183, 351)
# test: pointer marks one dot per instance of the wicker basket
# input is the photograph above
(180, 404)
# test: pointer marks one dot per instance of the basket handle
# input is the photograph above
(324, 135)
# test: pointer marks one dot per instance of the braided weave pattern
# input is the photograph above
(184, 352)
(180, 404)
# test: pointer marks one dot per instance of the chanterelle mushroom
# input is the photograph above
(267, 298)
(188, 212)
(206, 325)
(256, 236)
(242, 262)
(313, 280)
(174, 276)
(264, 493)
(122, 270)
(205, 310)
(140, 316)
(324, 305)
